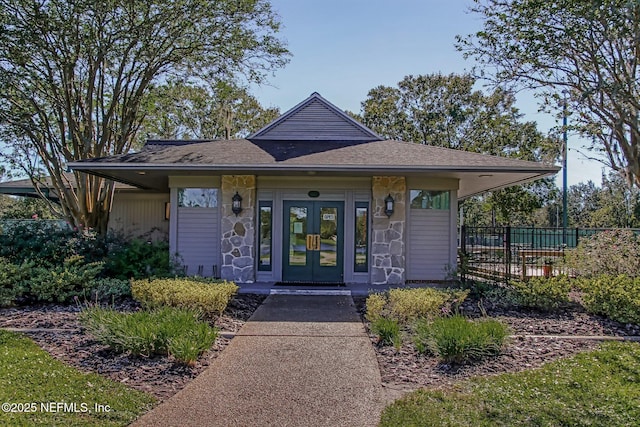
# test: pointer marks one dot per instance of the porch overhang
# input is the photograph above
(472, 180)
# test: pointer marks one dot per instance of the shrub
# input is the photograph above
(43, 242)
(404, 305)
(206, 295)
(611, 252)
(165, 331)
(542, 293)
(388, 331)
(62, 284)
(456, 340)
(49, 243)
(139, 259)
(13, 281)
(617, 297)
(109, 289)
(409, 304)
(375, 306)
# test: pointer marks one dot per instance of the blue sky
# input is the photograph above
(342, 49)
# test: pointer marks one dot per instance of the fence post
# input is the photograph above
(577, 236)
(463, 253)
(507, 254)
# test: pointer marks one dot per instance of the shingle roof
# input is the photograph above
(313, 137)
(243, 154)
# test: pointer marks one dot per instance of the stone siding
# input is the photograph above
(238, 232)
(387, 234)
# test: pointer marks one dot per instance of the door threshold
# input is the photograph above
(311, 284)
(316, 292)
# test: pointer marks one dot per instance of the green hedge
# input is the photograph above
(406, 304)
(205, 295)
(617, 297)
(28, 282)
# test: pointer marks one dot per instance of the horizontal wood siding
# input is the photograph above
(198, 240)
(317, 120)
(428, 244)
(140, 215)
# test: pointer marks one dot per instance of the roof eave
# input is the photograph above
(90, 167)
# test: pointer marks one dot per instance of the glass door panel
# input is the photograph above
(298, 235)
(328, 236)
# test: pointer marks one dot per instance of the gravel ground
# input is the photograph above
(406, 370)
(57, 330)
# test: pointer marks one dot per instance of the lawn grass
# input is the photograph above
(597, 388)
(30, 376)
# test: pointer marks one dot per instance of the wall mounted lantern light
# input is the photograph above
(167, 210)
(388, 205)
(236, 203)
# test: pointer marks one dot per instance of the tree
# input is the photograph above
(429, 109)
(74, 75)
(201, 110)
(587, 49)
(446, 111)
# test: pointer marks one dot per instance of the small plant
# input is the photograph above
(109, 289)
(165, 331)
(617, 297)
(457, 340)
(208, 296)
(388, 332)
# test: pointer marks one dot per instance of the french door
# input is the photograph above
(313, 241)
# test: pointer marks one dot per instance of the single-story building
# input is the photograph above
(313, 197)
(135, 213)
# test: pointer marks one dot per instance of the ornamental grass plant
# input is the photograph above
(456, 339)
(165, 331)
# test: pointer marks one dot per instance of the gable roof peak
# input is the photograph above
(315, 119)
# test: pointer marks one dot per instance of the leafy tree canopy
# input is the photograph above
(587, 49)
(75, 74)
(202, 110)
(446, 111)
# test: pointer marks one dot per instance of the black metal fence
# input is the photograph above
(504, 253)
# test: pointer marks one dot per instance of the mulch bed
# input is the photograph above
(56, 329)
(406, 370)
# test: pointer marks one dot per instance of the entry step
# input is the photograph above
(310, 292)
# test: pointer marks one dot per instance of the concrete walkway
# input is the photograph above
(299, 361)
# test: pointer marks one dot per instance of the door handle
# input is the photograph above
(313, 242)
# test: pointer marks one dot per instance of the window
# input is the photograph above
(425, 199)
(197, 197)
(264, 262)
(361, 237)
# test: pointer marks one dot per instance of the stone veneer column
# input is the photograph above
(388, 255)
(237, 244)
